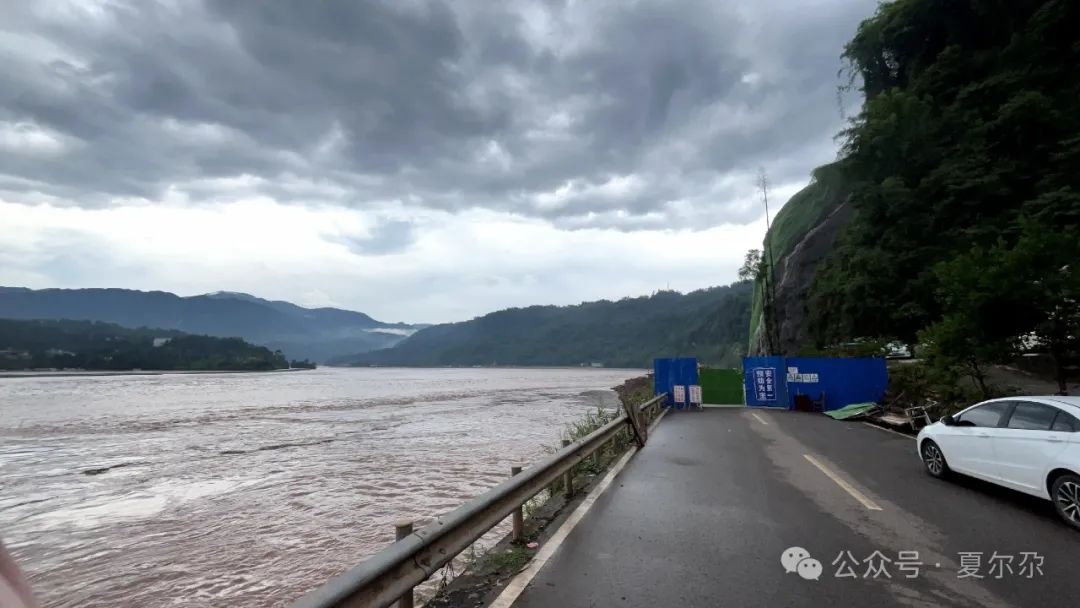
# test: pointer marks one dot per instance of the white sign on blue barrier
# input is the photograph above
(765, 383)
(793, 375)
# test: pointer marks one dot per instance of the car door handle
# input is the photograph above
(1055, 440)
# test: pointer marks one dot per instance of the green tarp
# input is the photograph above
(851, 411)
(721, 386)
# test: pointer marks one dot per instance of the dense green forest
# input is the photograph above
(90, 345)
(709, 324)
(963, 169)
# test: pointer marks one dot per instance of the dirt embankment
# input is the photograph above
(636, 390)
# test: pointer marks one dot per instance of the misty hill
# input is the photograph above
(708, 323)
(301, 333)
(93, 345)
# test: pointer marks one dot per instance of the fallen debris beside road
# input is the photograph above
(855, 410)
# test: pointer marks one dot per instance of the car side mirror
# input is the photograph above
(948, 420)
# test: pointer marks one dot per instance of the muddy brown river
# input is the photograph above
(249, 489)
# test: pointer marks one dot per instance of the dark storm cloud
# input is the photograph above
(385, 237)
(588, 114)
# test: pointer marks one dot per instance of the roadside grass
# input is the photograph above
(634, 393)
(581, 428)
(485, 569)
(509, 561)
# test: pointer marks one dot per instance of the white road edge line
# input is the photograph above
(881, 428)
(517, 584)
(847, 487)
(759, 418)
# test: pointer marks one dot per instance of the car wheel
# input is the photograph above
(1066, 495)
(934, 459)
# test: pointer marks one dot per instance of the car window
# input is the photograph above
(1032, 416)
(1065, 422)
(983, 415)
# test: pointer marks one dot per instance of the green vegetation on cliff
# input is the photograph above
(963, 169)
(805, 210)
(969, 132)
(89, 345)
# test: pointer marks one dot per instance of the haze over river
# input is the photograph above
(248, 489)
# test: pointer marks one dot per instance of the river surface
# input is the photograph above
(249, 489)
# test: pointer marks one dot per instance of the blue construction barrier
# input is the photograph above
(669, 372)
(763, 378)
(834, 381)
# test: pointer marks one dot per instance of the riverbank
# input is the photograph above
(485, 576)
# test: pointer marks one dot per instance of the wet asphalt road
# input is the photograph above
(702, 515)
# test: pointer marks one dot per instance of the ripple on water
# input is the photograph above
(319, 466)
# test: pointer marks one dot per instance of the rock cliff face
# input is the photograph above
(803, 236)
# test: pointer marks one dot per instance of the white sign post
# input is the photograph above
(679, 396)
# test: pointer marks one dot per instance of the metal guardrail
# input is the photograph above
(394, 571)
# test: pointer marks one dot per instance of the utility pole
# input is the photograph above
(768, 286)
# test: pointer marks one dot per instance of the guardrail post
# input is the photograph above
(568, 476)
(403, 528)
(518, 534)
(637, 428)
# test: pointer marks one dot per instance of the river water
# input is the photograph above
(249, 489)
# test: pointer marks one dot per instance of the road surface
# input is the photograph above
(703, 514)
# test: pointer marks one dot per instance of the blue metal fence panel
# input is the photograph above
(842, 381)
(763, 379)
(669, 372)
(662, 377)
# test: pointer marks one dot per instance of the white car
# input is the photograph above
(1030, 444)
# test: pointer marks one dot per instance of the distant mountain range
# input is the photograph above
(318, 334)
(709, 324)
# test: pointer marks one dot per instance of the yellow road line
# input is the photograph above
(847, 487)
(759, 419)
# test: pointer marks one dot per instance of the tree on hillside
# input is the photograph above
(970, 128)
(1001, 300)
(1047, 257)
(980, 325)
(751, 267)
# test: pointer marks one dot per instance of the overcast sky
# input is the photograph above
(418, 161)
